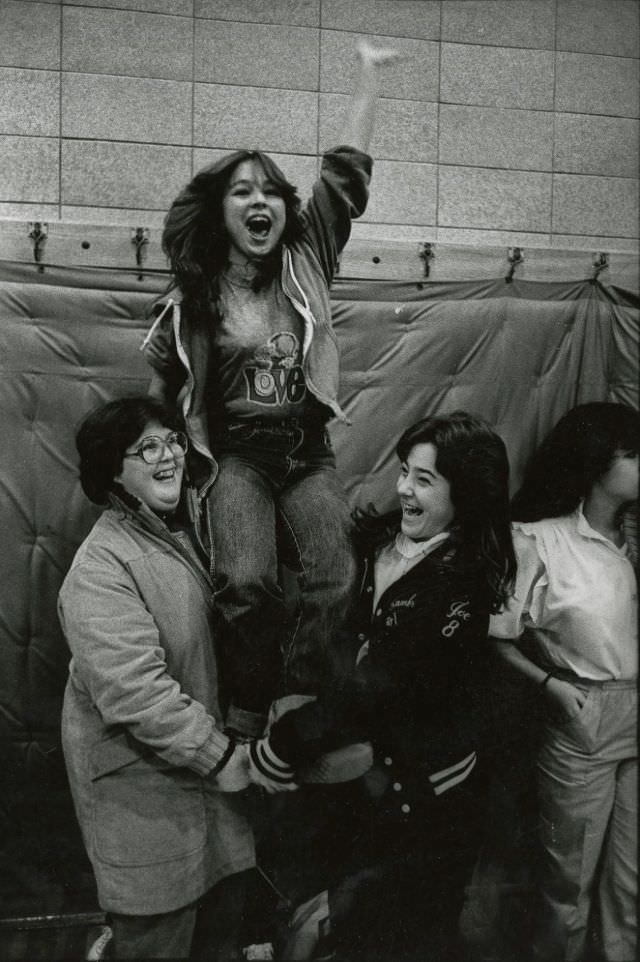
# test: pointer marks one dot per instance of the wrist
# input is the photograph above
(545, 681)
(224, 758)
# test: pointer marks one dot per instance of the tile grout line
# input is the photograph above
(555, 113)
(193, 88)
(60, 80)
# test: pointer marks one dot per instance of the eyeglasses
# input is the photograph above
(152, 449)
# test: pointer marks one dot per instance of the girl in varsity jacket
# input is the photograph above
(427, 591)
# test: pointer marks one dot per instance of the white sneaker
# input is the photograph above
(98, 949)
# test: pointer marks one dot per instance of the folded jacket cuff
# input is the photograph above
(210, 753)
(269, 764)
(249, 723)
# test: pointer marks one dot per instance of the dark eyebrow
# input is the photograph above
(249, 181)
(157, 437)
(420, 471)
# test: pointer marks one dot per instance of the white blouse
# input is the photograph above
(576, 592)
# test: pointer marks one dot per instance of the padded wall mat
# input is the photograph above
(518, 353)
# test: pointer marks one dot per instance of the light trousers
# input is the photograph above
(588, 797)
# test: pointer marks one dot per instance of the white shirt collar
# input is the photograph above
(584, 528)
(410, 549)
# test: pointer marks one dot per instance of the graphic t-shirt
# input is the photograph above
(258, 350)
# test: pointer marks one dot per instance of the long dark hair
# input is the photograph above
(195, 238)
(473, 459)
(573, 456)
(107, 432)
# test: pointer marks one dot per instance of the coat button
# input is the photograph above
(405, 808)
(362, 636)
(397, 787)
(388, 761)
(369, 589)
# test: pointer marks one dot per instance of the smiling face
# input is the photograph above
(254, 212)
(425, 495)
(157, 485)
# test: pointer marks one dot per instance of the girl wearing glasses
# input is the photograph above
(149, 766)
(249, 353)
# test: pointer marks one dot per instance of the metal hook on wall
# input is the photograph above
(140, 239)
(38, 231)
(515, 257)
(600, 263)
(426, 254)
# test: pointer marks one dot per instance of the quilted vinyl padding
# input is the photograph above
(520, 354)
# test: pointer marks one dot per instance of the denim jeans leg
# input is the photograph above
(249, 597)
(164, 936)
(317, 520)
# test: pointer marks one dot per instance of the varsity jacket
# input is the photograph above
(180, 351)
(416, 693)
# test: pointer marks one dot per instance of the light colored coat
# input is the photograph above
(140, 719)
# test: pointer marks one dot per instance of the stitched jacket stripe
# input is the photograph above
(449, 777)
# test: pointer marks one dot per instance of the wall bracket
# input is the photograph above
(38, 232)
(426, 253)
(140, 239)
(600, 263)
(515, 256)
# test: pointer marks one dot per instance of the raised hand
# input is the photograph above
(359, 128)
(375, 56)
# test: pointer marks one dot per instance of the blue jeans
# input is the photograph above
(277, 487)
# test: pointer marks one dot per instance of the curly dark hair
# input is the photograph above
(573, 456)
(195, 238)
(107, 432)
(473, 459)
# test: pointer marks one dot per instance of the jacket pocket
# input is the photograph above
(144, 812)
(113, 753)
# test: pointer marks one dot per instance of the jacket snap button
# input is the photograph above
(388, 761)
(362, 637)
(405, 808)
(397, 787)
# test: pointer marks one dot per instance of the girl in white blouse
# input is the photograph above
(571, 629)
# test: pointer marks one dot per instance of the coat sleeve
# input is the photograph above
(119, 661)
(340, 194)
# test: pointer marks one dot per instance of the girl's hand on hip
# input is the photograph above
(569, 699)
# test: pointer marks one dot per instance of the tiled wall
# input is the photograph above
(506, 120)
